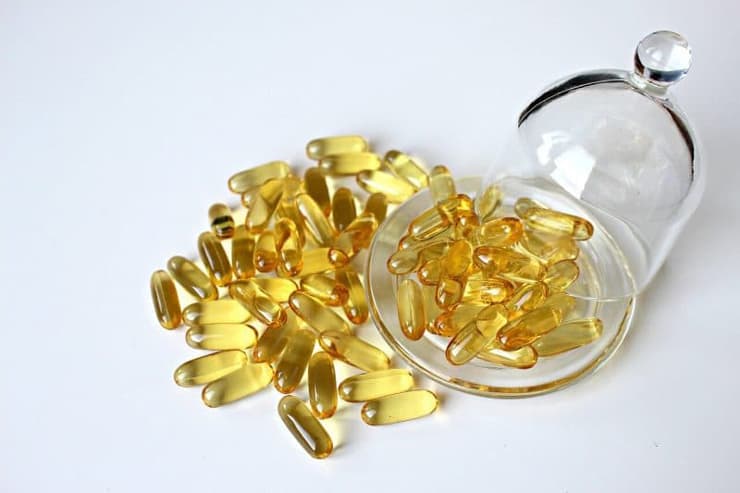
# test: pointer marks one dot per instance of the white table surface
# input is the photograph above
(119, 124)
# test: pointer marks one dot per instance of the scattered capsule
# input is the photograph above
(407, 168)
(322, 385)
(522, 358)
(222, 222)
(441, 184)
(432, 311)
(411, 311)
(317, 189)
(355, 308)
(560, 275)
(318, 149)
(399, 407)
(214, 257)
(242, 253)
(273, 340)
(524, 204)
(225, 311)
(166, 302)
(315, 314)
(548, 248)
(561, 302)
(353, 350)
(320, 260)
(263, 205)
(208, 368)
(218, 337)
(395, 189)
(501, 232)
(265, 252)
(288, 244)
(488, 202)
(430, 223)
(476, 335)
(508, 264)
(325, 289)
(377, 205)
(449, 292)
(375, 384)
(528, 328)
(357, 234)
(570, 335)
(317, 225)
(350, 163)
(305, 428)
(251, 178)
(259, 304)
(550, 221)
(458, 259)
(250, 378)
(448, 323)
(526, 298)
(403, 261)
(292, 364)
(343, 208)
(489, 290)
(429, 272)
(288, 209)
(279, 289)
(191, 278)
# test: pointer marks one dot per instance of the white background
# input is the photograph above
(119, 124)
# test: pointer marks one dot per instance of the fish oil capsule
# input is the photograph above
(257, 302)
(528, 328)
(355, 308)
(548, 248)
(458, 259)
(242, 253)
(214, 257)
(265, 252)
(317, 188)
(218, 337)
(263, 205)
(349, 163)
(477, 334)
(251, 178)
(556, 222)
(488, 202)
(501, 232)
(277, 288)
(191, 278)
(322, 385)
(341, 144)
(343, 208)
(395, 189)
(522, 358)
(375, 384)
(449, 292)
(273, 340)
(353, 350)
(396, 408)
(430, 223)
(411, 311)
(222, 222)
(431, 309)
(357, 235)
(570, 335)
(224, 311)
(448, 323)
(524, 204)
(403, 261)
(488, 290)
(250, 378)
(407, 168)
(321, 260)
(560, 275)
(377, 205)
(288, 209)
(441, 184)
(526, 298)
(508, 264)
(208, 368)
(292, 364)
(466, 223)
(325, 289)
(305, 428)
(288, 244)
(561, 302)
(315, 314)
(317, 225)
(166, 302)
(429, 272)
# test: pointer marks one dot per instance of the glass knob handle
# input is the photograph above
(662, 58)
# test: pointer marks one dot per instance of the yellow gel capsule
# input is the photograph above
(400, 407)
(265, 252)
(341, 144)
(508, 264)
(315, 314)
(217, 337)
(357, 235)
(524, 204)
(251, 178)
(522, 358)
(242, 253)
(403, 261)
(526, 298)
(317, 188)
(355, 308)
(222, 222)
(528, 328)
(375, 384)
(429, 272)
(320, 260)
(429, 223)
(224, 311)
(561, 302)
(377, 205)
(191, 278)
(449, 292)
(395, 189)
(457, 260)
(317, 225)
(548, 248)
(488, 290)
(349, 163)
(448, 323)
(488, 202)
(273, 340)
(278, 289)
(411, 310)
(476, 335)
(288, 209)
(322, 385)
(405, 167)
(325, 289)
(305, 428)
(166, 302)
(501, 232)
(343, 208)
(257, 302)
(570, 335)
(441, 184)
(263, 205)
(353, 350)
(556, 222)
(250, 378)
(214, 257)
(208, 368)
(292, 364)
(560, 275)
(288, 244)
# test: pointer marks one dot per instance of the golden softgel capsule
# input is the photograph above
(327, 290)
(350, 163)
(441, 184)
(449, 292)
(315, 314)
(265, 252)
(570, 335)
(560, 275)
(263, 205)
(357, 235)
(377, 205)
(288, 243)
(395, 189)
(242, 253)
(522, 358)
(251, 178)
(400, 407)
(214, 257)
(550, 221)
(320, 260)
(528, 328)
(353, 350)
(273, 340)
(250, 378)
(448, 323)
(526, 298)
(292, 364)
(407, 168)
(548, 248)
(375, 384)
(429, 272)
(404, 261)
(257, 302)
(191, 278)
(208, 368)
(489, 290)
(508, 264)
(322, 385)
(458, 259)
(316, 187)
(222, 222)
(305, 428)
(343, 208)
(341, 144)
(218, 337)
(355, 308)
(411, 310)
(166, 302)
(225, 311)
(477, 334)
(277, 288)
(487, 203)
(317, 225)
(501, 232)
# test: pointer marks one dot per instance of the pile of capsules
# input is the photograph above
(495, 285)
(263, 308)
